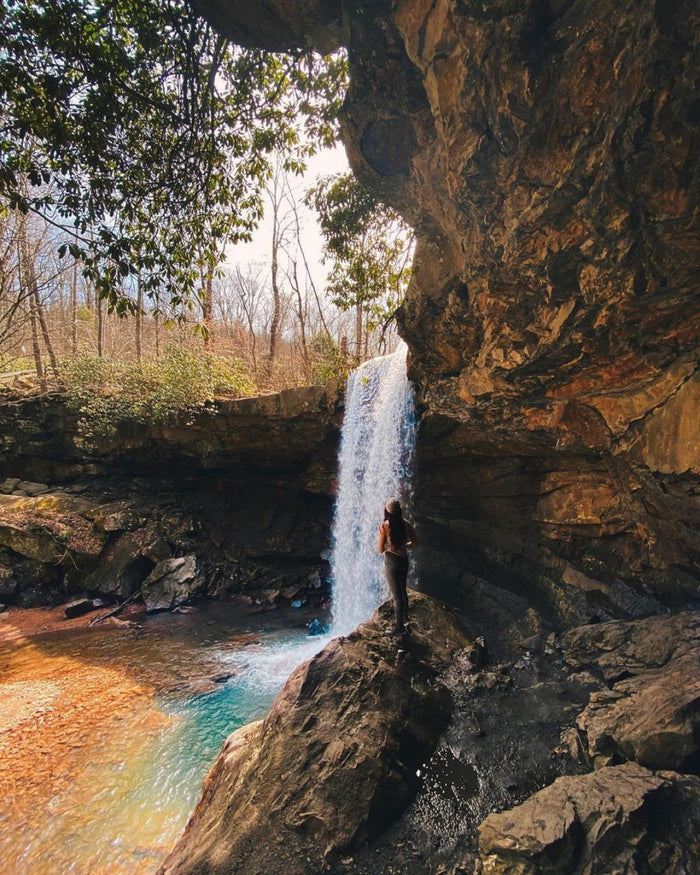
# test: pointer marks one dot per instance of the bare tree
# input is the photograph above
(139, 317)
(301, 313)
(282, 225)
(248, 288)
(206, 302)
(74, 309)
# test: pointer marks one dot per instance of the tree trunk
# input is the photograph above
(358, 333)
(100, 327)
(74, 311)
(309, 276)
(27, 276)
(35, 345)
(139, 315)
(302, 322)
(208, 308)
(275, 194)
(44, 327)
(253, 354)
(276, 307)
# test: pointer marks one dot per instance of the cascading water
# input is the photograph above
(376, 458)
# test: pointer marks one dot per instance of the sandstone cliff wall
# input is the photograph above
(546, 153)
(244, 491)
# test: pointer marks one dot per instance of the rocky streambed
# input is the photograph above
(107, 731)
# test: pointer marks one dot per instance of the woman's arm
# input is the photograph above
(382, 538)
(412, 536)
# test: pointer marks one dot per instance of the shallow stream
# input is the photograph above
(107, 733)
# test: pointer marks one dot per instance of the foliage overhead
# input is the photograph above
(368, 245)
(136, 125)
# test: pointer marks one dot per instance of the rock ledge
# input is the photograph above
(335, 760)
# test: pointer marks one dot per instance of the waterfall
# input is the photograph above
(376, 457)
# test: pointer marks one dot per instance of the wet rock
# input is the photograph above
(222, 676)
(27, 583)
(534, 644)
(122, 568)
(315, 627)
(78, 608)
(335, 760)
(648, 709)
(32, 489)
(607, 821)
(40, 592)
(9, 485)
(479, 654)
(118, 516)
(519, 730)
(172, 582)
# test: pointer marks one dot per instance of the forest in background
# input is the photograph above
(246, 330)
(136, 146)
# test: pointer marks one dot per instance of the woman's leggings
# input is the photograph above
(396, 570)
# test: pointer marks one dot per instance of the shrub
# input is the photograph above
(10, 363)
(180, 383)
(328, 361)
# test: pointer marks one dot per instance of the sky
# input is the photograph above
(258, 250)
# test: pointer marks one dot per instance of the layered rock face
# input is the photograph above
(546, 153)
(276, 433)
(236, 502)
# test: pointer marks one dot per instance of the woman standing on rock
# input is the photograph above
(396, 535)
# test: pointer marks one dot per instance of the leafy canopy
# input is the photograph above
(136, 125)
(368, 245)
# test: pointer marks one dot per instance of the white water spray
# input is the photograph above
(376, 458)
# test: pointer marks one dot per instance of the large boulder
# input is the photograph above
(335, 760)
(172, 582)
(648, 705)
(27, 583)
(619, 819)
(50, 529)
(122, 568)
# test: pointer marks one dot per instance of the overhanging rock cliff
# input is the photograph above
(546, 153)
